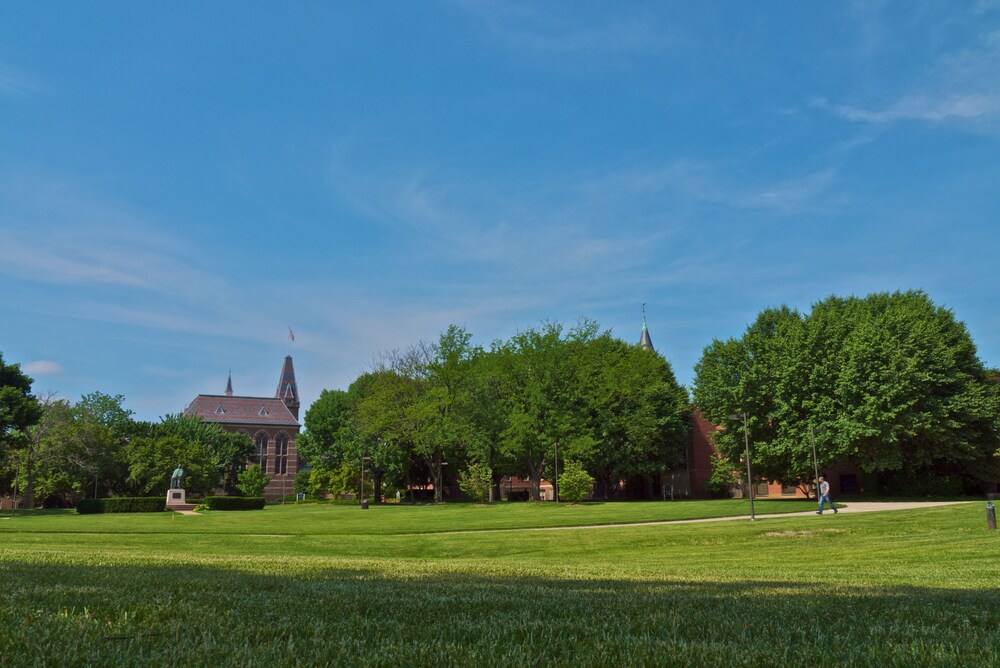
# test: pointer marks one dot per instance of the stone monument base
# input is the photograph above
(176, 497)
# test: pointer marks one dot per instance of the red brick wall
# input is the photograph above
(702, 453)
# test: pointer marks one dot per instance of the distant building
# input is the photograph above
(272, 423)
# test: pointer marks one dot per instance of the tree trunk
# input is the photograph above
(29, 485)
(437, 474)
(495, 487)
(606, 485)
(536, 478)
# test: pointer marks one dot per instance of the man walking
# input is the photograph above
(824, 496)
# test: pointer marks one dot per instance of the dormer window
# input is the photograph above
(220, 410)
(262, 412)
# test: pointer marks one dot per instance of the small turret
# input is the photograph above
(229, 384)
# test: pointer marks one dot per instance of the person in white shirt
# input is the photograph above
(824, 496)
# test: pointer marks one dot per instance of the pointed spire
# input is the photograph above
(644, 341)
(229, 384)
(288, 389)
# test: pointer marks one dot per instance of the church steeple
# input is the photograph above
(644, 341)
(229, 384)
(288, 390)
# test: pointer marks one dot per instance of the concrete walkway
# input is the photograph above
(848, 508)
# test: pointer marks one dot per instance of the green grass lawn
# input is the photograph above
(334, 585)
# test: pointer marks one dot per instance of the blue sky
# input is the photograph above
(180, 182)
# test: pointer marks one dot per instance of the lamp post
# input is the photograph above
(555, 480)
(746, 440)
(813, 432)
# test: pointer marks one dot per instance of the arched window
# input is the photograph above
(261, 440)
(281, 453)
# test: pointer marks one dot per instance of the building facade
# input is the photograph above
(272, 423)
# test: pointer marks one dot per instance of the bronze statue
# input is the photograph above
(177, 479)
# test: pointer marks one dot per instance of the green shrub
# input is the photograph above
(89, 506)
(723, 477)
(252, 481)
(574, 482)
(476, 481)
(336, 481)
(233, 502)
(121, 504)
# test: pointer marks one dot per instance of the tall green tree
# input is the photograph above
(891, 382)
(339, 434)
(152, 459)
(19, 408)
(485, 410)
(230, 451)
(443, 406)
(631, 408)
(539, 404)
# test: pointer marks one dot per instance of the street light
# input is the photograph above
(555, 481)
(813, 432)
(746, 439)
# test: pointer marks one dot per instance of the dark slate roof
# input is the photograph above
(266, 411)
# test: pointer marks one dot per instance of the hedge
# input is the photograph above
(233, 502)
(121, 504)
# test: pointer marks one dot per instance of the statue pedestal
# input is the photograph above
(176, 497)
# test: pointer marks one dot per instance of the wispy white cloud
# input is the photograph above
(960, 86)
(15, 83)
(111, 263)
(721, 185)
(43, 368)
(56, 232)
(795, 194)
(539, 231)
(969, 106)
(524, 26)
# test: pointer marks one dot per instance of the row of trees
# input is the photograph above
(453, 409)
(55, 451)
(890, 382)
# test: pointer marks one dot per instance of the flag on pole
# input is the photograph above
(291, 335)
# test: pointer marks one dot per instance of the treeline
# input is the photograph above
(54, 452)
(437, 411)
(890, 382)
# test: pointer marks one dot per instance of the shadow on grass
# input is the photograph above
(137, 615)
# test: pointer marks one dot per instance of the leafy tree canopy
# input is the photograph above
(891, 382)
(19, 408)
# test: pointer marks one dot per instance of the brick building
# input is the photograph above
(272, 423)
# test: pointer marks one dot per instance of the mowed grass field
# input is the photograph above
(461, 585)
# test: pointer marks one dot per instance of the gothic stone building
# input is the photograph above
(272, 423)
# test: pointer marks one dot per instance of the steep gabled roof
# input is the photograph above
(265, 411)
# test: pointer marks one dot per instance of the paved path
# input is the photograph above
(849, 508)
